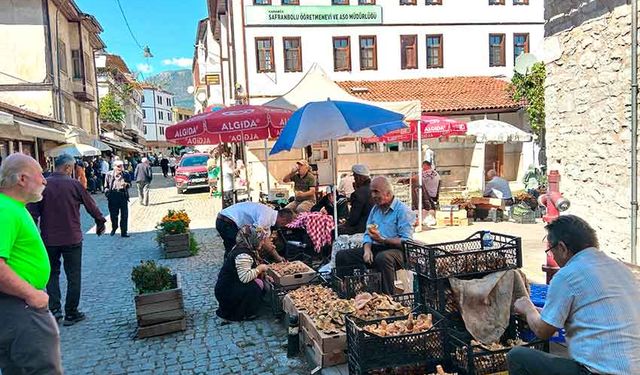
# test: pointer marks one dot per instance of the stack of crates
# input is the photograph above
(434, 264)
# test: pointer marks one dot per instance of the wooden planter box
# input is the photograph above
(161, 312)
(176, 245)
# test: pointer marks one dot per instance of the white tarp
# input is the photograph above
(496, 131)
(316, 86)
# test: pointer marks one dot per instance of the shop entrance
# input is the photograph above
(494, 158)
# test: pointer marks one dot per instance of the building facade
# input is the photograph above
(116, 80)
(587, 94)
(272, 43)
(47, 67)
(157, 115)
(181, 113)
(268, 46)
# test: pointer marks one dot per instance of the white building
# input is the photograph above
(115, 78)
(384, 50)
(157, 116)
(270, 44)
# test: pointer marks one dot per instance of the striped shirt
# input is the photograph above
(246, 273)
(597, 300)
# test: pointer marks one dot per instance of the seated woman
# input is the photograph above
(325, 205)
(240, 284)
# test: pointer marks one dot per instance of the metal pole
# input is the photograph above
(334, 168)
(266, 159)
(420, 157)
(634, 131)
(245, 150)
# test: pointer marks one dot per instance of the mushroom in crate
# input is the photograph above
(290, 273)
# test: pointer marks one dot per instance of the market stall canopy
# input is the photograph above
(118, 142)
(333, 119)
(486, 130)
(232, 124)
(75, 150)
(316, 86)
(100, 145)
(432, 127)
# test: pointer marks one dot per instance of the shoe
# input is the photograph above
(113, 232)
(57, 314)
(126, 235)
(71, 319)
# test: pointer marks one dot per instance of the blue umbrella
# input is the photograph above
(329, 120)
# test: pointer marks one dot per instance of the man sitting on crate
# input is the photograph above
(232, 218)
(594, 297)
(390, 222)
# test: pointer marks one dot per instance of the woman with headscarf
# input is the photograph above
(240, 284)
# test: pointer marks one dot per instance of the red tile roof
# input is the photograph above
(117, 62)
(439, 95)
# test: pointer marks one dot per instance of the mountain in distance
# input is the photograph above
(176, 82)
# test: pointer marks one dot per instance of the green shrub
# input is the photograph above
(194, 247)
(149, 277)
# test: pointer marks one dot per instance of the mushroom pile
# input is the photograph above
(289, 268)
(421, 323)
(378, 306)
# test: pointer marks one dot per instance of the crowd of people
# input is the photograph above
(594, 297)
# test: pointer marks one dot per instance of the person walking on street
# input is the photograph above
(164, 164)
(173, 162)
(29, 335)
(143, 177)
(117, 184)
(104, 169)
(58, 214)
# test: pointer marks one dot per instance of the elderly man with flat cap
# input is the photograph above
(304, 186)
(361, 202)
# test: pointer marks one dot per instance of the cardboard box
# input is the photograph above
(451, 218)
(295, 279)
(333, 343)
(320, 358)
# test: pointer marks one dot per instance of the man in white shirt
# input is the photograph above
(498, 187)
(346, 185)
(248, 213)
(594, 297)
(104, 169)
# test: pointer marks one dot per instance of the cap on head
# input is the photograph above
(361, 169)
(303, 162)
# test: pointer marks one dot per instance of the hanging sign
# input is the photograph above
(313, 15)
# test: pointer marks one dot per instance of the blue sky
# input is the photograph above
(168, 27)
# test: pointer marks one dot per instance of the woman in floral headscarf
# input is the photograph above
(240, 287)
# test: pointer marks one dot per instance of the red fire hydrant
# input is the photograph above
(554, 203)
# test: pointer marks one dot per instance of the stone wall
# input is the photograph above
(588, 113)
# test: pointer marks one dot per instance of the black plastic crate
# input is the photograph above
(347, 282)
(295, 244)
(368, 352)
(416, 369)
(463, 258)
(438, 296)
(476, 360)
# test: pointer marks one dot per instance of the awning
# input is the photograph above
(100, 145)
(496, 131)
(34, 129)
(120, 143)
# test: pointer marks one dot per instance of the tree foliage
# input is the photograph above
(530, 87)
(111, 110)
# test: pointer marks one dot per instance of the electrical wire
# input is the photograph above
(128, 27)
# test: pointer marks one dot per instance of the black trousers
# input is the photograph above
(29, 339)
(165, 170)
(525, 361)
(72, 257)
(386, 261)
(228, 231)
(119, 206)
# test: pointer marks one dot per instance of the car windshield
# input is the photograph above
(194, 161)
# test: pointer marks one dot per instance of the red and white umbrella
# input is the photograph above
(239, 123)
(432, 127)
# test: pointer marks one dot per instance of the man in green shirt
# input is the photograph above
(29, 336)
(304, 187)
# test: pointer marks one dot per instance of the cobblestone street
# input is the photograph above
(105, 343)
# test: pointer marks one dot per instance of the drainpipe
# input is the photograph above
(244, 55)
(634, 131)
(60, 111)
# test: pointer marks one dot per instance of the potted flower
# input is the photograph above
(174, 236)
(158, 301)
